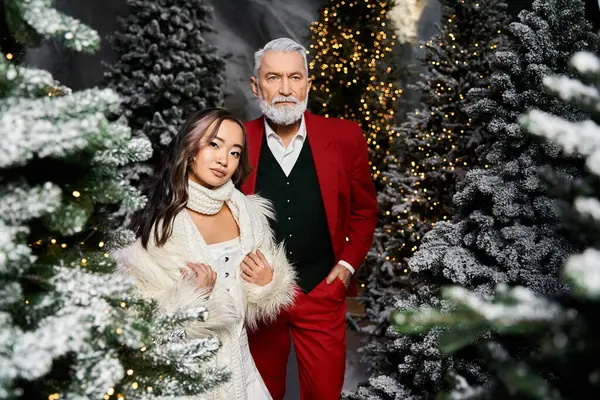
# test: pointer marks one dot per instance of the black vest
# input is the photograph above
(301, 220)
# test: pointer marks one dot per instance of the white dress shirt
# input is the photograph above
(287, 156)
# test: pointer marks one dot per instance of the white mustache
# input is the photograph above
(285, 99)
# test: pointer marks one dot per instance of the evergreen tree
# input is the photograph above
(165, 69)
(434, 146)
(354, 72)
(70, 328)
(506, 228)
(542, 347)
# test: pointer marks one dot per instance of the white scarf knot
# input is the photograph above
(208, 201)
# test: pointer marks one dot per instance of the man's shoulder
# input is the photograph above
(338, 123)
(350, 131)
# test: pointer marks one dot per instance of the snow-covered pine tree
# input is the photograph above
(507, 224)
(543, 347)
(70, 328)
(165, 69)
(434, 146)
(354, 70)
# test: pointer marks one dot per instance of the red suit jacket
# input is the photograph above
(341, 159)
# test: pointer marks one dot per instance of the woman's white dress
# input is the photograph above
(228, 256)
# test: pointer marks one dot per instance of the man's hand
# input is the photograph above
(339, 271)
(256, 269)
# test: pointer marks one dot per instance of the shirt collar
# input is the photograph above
(301, 131)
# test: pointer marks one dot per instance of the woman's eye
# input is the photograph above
(213, 145)
(236, 154)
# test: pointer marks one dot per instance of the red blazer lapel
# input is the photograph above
(325, 159)
(255, 130)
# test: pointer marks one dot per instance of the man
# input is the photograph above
(316, 172)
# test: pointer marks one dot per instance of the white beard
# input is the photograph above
(283, 115)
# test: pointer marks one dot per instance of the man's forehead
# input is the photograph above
(282, 61)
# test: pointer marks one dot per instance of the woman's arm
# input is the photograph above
(264, 303)
(156, 274)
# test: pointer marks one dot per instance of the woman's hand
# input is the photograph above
(256, 269)
(202, 275)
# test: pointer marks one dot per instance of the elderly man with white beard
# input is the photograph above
(316, 173)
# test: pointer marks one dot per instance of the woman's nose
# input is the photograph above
(222, 158)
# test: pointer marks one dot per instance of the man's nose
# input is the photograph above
(285, 89)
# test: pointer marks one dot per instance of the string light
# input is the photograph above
(9, 56)
(438, 132)
(354, 62)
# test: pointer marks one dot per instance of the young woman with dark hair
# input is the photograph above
(201, 242)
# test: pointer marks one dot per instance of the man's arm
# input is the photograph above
(364, 209)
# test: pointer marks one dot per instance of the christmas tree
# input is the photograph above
(543, 347)
(165, 69)
(434, 146)
(507, 225)
(354, 71)
(69, 327)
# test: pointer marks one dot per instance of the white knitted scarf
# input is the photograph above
(210, 201)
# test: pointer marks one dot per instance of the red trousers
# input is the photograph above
(317, 325)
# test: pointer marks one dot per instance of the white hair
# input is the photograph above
(281, 44)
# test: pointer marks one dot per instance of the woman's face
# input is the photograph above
(217, 160)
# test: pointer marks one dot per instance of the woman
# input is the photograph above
(201, 242)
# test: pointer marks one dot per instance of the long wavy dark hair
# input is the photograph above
(168, 194)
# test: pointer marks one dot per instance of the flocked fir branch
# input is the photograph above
(543, 346)
(432, 149)
(32, 20)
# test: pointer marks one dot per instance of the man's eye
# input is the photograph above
(272, 78)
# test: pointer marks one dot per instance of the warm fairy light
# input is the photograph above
(134, 385)
(54, 396)
(355, 61)
(9, 56)
(439, 128)
(101, 244)
(76, 193)
(64, 245)
(129, 372)
(111, 391)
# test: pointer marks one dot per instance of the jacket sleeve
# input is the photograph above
(364, 209)
(152, 282)
(264, 303)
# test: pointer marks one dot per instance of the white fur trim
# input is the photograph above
(266, 302)
(172, 291)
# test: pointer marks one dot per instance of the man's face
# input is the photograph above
(282, 83)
